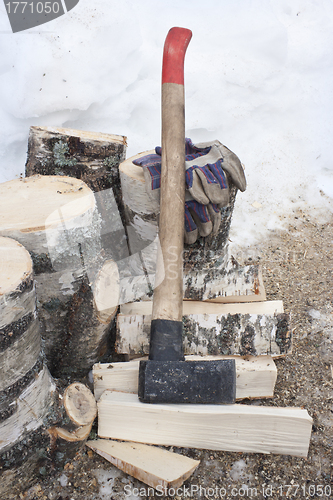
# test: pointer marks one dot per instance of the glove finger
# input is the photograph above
(217, 170)
(151, 167)
(202, 168)
(152, 176)
(215, 217)
(200, 216)
(191, 230)
(192, 151)
(233, 166)
(147, 161)
(231, 162)
(190, 237)
(212, 187)
(194, 186)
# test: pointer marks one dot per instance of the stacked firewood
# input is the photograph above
(78, 243)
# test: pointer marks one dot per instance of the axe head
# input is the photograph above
(206, 382)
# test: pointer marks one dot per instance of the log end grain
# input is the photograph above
(15, 265)
(60, 199)
(80, 404)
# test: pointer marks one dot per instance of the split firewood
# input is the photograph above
(154, 466)
(237, 428)
(193, 306)
(255, 328)
(255, 376)
(59, 225)
(94, 158)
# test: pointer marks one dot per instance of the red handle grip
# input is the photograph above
(175, 46)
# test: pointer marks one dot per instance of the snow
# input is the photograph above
(258, 77)
(63, 480)
(106, 479)
(238, 471)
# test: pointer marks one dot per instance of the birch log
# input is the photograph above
(20, 342)
(204, 260)
(56, 219)
(26, 387)
(94, 158)
(31, 405)
(256, 328)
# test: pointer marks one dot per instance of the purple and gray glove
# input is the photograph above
(207, 187)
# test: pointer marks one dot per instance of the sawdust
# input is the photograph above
(297, 268)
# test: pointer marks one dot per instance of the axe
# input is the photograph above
(166, 377)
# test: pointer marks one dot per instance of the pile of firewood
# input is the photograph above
(78, 239)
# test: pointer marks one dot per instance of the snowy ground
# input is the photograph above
(258, 77)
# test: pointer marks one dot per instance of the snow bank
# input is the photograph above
(258, 77)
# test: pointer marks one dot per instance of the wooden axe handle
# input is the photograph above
(168, 296)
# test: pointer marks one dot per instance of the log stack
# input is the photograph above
(225, 313)
(250, 326)
(55, 218)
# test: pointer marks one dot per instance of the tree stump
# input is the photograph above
(57, 221)
(92, 157)
(204, 261)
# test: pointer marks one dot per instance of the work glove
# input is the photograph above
(200, 220)
(209, 161)
(207, 187)
(204, 176)
(231, 163)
